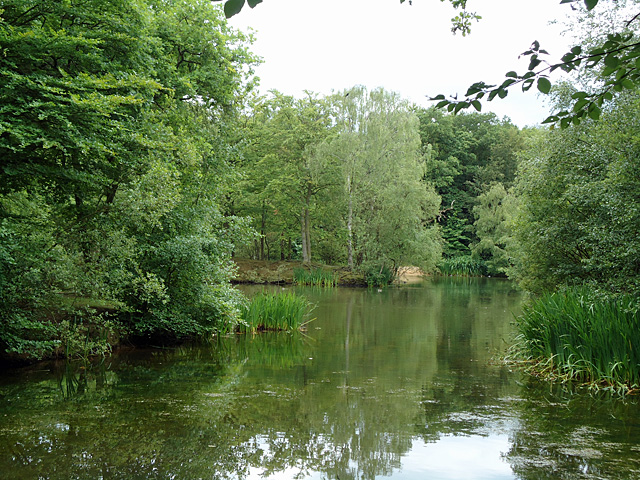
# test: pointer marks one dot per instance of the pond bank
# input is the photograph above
(281, 272)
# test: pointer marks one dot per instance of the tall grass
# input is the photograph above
(316, 277)
(464, 265)
(274, 311)
(575, 336)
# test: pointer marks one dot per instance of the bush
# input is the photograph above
(378, 275)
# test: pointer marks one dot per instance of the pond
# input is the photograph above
(400, 383)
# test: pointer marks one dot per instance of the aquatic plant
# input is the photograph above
(464, 265)
(315, 278)
(574, 335)
(285, 311)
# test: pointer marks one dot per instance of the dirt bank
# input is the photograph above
(263, 271)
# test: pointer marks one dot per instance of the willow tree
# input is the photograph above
(389, 209)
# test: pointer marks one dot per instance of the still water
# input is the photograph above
(401, 383)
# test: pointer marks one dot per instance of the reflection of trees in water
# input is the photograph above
(346, 400)
(574, 435)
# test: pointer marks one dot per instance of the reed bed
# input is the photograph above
(283, 311)
(574, 336)
(464, 266)
(315, 278)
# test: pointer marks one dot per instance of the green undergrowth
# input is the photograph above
(315, 278)
(282, 311)
(578, 337)
(464, 265)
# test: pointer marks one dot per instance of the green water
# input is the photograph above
(399, 383)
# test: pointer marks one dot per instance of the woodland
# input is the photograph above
(138, 158)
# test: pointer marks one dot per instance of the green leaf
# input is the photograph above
(511, 74)
(544, 85)
(594, 112)
(580, 104)
(611, 61)
(626, 83)
(477, 105)
(442, 103)
(534, 62)
(253, 3)
(590, 4)
(551, 119)
(232, 7)
(579, 95)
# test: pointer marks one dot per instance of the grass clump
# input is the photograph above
(573, 335)
(464, 266)
(315, 278)
(275, 312)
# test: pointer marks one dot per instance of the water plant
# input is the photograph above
(575, 335)
(284, 311)
(463, 265)
(315, 277)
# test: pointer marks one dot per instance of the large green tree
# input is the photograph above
(114, 144)
(579, 217)
(282, 177)
(390, 209)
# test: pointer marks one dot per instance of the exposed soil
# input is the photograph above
(264, 271)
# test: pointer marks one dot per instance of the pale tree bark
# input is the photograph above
(350, 225)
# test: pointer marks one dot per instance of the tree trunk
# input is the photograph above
(263, 226)
(303, 234)
(350, 226)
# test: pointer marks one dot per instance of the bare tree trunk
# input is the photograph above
(305, 228)
(350, 226)
(263, 226)
(303, 234)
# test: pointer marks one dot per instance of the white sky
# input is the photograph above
(325, 45)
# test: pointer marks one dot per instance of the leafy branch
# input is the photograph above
(618, 59)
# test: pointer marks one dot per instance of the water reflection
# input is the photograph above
(396, 383)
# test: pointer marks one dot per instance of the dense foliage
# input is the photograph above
(114, 139)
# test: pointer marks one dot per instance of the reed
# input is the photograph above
(465, 266)
(275, 312)
(575, 336)
(315, 278)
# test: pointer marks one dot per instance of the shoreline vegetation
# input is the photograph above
(575, 337)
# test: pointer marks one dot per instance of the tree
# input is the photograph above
(283, 177)
(390, 209)
(109, 192)
(466, 154)
(579, 213)
(494, 217)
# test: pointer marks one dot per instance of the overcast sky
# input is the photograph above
(325, 45)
